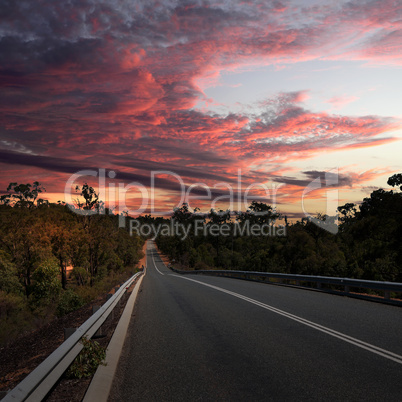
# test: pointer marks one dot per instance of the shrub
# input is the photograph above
(81, 275)
(47, 284)
(9, 282)
(10, 303)
(68, 301)
(87, 293)
(200, 265)
(91, 356)
(14, 316)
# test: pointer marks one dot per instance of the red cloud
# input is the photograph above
(105, 83)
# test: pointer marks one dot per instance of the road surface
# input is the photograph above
(195, 337)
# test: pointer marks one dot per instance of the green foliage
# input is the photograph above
(9, 282)
(81, 275)
(206, 254)
(85, 364)
(10, 303)
(46, 286)
(200, 265)
(14, 316)
(41, 242)
(68, 301)
(368, 244)
(31, 235)
(87, 293)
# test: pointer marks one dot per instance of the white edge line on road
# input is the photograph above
(101, 384)
(354, 341)
(153, 260)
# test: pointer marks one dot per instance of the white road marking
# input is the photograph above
(354, 341)
(152, 255)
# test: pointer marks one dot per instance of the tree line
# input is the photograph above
(367, 243)
(53, 259)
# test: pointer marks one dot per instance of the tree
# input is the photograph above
(183, 214)
(395, 180)
(380, 203)
(348, 212)
(259, 213)
(91, 198)
(61, 234)
(24, 238)
(218, 218)
(46, 285)
(23, 195)
(9, 282)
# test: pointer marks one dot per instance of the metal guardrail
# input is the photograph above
(346, 283)
(40, 381)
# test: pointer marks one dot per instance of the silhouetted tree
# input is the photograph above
(395, 180)
(23, 195)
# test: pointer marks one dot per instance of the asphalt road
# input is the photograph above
(195, 337)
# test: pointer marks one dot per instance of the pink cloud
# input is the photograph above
(340, 101)
(105, 83)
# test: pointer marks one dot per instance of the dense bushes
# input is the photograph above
(367, 243)
(69, 301)
(53, 260)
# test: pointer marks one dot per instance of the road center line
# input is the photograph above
(346, 338)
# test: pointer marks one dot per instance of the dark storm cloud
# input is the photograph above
(327, 179)
(73, 167)
(117, 82)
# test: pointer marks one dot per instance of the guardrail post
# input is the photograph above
(36, 385)
(99, 332)
(320, 282)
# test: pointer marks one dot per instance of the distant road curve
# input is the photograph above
(214, 338)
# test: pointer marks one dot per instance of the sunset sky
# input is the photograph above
(277, 91)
